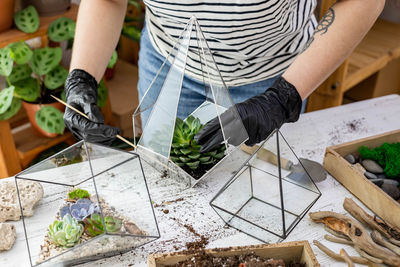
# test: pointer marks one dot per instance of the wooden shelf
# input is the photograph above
(15, 35)
(380, 46)
(29, 145)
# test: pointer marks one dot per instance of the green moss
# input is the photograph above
(78, 193)
(387, 155)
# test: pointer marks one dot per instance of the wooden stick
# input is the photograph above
(335, 233)
(338, 257)
(346, 257)
(118, 136)
(338, 240)
(367, 256)
(378, 238)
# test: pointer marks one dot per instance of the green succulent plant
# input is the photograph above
(66, 232)
(184, 149)
(78, 193)
(94, 225)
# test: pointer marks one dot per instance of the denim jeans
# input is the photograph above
(193, 93)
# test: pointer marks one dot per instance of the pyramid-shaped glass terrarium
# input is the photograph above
(95, 204)
(270, 194)
(169, 127)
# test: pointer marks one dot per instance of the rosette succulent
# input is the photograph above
(80, 210)
(184, 149)
(94, 225)
(65, 233)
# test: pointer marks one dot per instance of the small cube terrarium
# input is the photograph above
(95, 204)
(270, 194)
(169, 127)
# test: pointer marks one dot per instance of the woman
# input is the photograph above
(268, 52)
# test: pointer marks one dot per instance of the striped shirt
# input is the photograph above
(250, 40)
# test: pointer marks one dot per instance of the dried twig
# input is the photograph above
(356, 232)
(338, 240)
(346, 258)
(335, 233)
(372, 222)
(378, 238)
(367, 256)
(336, 256)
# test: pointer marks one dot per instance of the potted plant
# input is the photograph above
(6, 14)
(49, 7)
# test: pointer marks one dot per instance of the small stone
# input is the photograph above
(391, 181)
(30, 193)
(378, 182)
(370, 175)
(350, 158)
(371, 166)
(391, 190)
(7, 236)
(381, 176)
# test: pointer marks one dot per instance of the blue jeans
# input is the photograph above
(193, 93)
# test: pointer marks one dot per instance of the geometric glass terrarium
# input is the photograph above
(95, 204)
(270, 194)
(169, 126)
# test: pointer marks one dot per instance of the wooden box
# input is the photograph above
(299, 251)
(354, 180)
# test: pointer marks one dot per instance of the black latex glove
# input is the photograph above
(260, 115)
(81, 93)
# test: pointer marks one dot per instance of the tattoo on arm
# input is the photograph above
(323, 25)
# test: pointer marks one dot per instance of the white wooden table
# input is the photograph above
(308, 137)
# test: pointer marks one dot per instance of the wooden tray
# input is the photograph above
(354, 180)
(291, 251)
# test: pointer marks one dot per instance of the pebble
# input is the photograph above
(391, 181)
(378, 182)
(391, 190)
(370, 175)
(8, 235)
(372, 166)
(350, 158)
(381, 176)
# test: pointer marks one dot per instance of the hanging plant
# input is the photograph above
(20, 52)
(50, 120)
(19, 72)
(12, 109)
(45, 59)
(6, 61)
(6, 97)
(27, 20)
(27, 89)
(61, 29)
(56, 78)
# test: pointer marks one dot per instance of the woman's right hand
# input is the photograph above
(81, 93)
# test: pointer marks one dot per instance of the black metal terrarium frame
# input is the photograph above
(259, 229)
(93, 176)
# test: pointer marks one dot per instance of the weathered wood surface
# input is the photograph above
(308, 137)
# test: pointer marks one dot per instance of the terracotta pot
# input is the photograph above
(32, 108)
(6, 14)
(49, 7)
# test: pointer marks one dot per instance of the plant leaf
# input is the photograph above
(56, 78)
(27, 89)
(61, 29)
(113, 60)
(185, 151)
(20, 72)
(184, 160)
(6, 97)
(131, 32)
(12, 109)
(193, 165)
(45, 59)
(63, 96)
(6, 61)
(194, 156)
(20, 52)
(102, 93)
(219, 155)
(204, 159)
(50, 119)
(27, 20)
